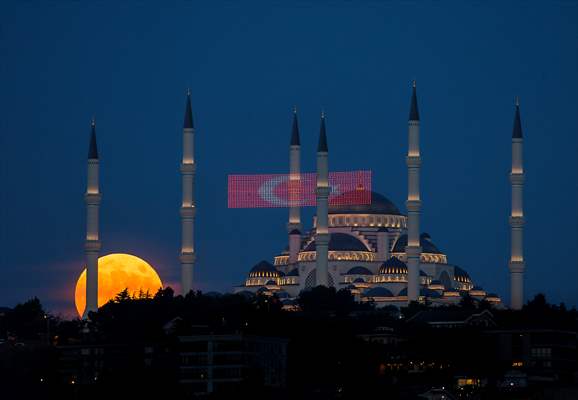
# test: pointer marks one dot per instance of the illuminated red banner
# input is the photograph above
(286, 190)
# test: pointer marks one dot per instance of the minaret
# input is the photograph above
(92, 244)
(188, 204)
(413, 204)
(294, 224)
(321, 230)
(517, 265)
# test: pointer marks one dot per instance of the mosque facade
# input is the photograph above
(375, 250)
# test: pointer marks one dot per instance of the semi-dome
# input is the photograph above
(393, 266)
(359, 271)
(379, 205)
(263, 270)
(341, 242)
(378, 292)
(425, 242)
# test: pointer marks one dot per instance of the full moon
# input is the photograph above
(117, 272)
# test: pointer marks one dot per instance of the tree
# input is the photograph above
(467, 302)
(122, 296)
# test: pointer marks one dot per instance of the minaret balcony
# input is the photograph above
(517, 267)
(517, 178)
(92, 245)
(517, 222)
(413, 205)
(188, 167)
(188, 257)
(188, 212)
(413, 161)
(92, 198)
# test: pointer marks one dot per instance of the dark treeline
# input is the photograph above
(327, 354)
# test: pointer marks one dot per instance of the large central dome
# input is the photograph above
(379, 205)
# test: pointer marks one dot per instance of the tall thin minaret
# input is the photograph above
(321, 230)
(413, 204)
(92, 244)
(188, 204)
(517, 265)
(294, 224)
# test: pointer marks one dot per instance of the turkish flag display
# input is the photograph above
(287, 190)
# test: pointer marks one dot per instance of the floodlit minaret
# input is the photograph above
(92, 244)
(188, 204)
(413, 204)
(321, 230)
(517, 265)
(294, 225)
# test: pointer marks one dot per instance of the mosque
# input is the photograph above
(374, 250)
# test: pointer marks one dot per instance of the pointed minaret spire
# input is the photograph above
(322, 146)
(321, 224)
(92, 148)
(517, 264)
(188, 206)
(188, 124)
(295, 141)
(517, 131)
(92, 243)
(413, 111)
(294, 224)
(413, 203)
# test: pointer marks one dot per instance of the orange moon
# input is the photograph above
(117, 272)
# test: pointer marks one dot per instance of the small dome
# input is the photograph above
(341, 242)
(378, 292)
(379, 205)
(393, 266)
(461, 275)
(263, 269)
(436, 282)
(426, 244)
(359, 271)
(421, 273)
(281, 273)
(271, 282)
(359, 280)
(293, 272)
(282, 294)
(295, 232)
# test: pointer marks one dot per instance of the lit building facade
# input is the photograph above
(366, 246)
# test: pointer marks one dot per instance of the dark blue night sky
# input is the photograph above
(247, 65)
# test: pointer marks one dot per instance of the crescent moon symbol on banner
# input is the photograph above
(266, 191)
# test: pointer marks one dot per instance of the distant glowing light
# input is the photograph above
(117, 272)
(283, 190)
